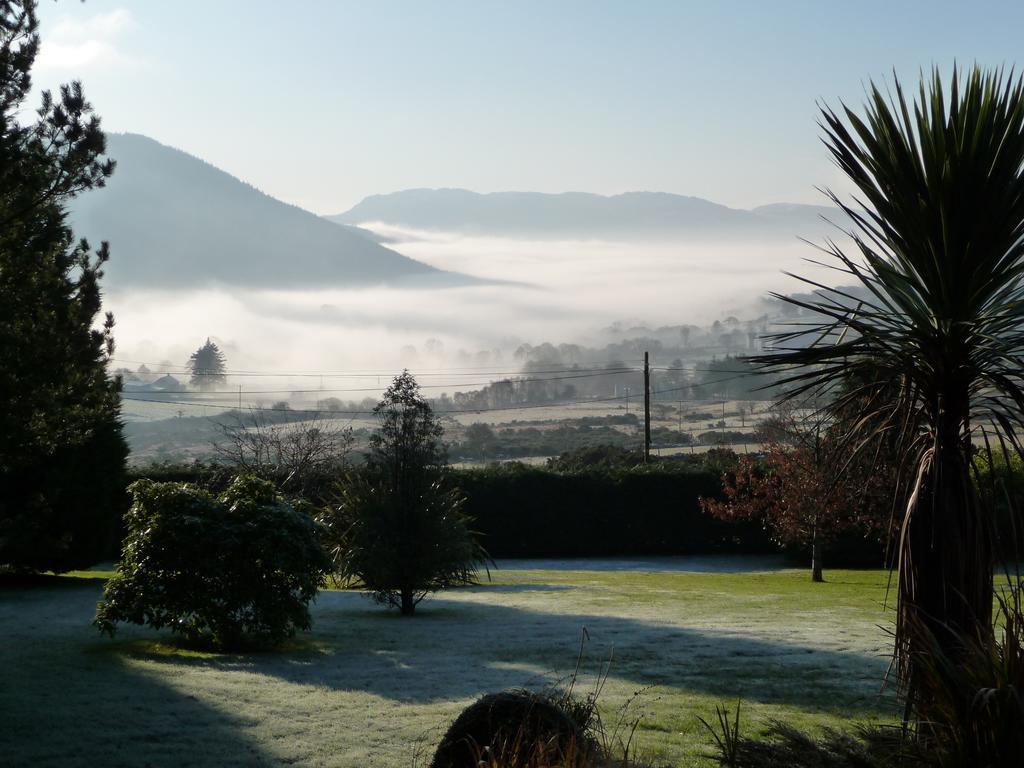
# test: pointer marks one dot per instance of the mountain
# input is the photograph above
(173, 220)
(633, 215)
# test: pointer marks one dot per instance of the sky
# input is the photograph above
(323, 102)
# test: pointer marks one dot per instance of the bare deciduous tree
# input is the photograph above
(287, 452)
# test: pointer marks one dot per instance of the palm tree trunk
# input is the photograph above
(946, 560)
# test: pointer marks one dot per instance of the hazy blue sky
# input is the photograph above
(322, 103)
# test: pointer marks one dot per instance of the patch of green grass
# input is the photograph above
(175, 647)
(368, 687)
(99, 575)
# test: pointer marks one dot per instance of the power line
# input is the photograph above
(522, 407)
(455, 371)
(619, 366)
(377, 389)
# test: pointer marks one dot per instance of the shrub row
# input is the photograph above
(523, 511)
(532, 512)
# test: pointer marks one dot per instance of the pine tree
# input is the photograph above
(62, 454)
(399, 529)
(207, 366)
(407, 444)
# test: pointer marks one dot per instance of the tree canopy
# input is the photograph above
(240, 566)
(938, 230)
(61, 450)
(208, 366)
(399, 528)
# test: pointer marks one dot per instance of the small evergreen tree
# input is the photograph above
(62, 454)
(399, 529)
(207, 366)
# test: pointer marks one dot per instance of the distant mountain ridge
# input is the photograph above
(632, 215)
(173, 220)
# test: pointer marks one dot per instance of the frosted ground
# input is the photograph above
(369, 688)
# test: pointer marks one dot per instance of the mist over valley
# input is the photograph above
(198, 253)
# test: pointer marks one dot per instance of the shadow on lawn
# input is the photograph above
(520, 588)
(60, 706)
(455, 649)
(19, 582)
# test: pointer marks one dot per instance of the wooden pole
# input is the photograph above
(647, 408)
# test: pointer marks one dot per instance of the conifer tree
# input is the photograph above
(399, 529)
(62, 454)
(207, 366)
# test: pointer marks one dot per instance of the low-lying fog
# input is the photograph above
(555, 291)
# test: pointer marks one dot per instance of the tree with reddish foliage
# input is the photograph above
(806, 491)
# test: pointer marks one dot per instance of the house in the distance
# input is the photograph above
(165, 383)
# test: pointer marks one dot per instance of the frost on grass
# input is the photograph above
(371, 689)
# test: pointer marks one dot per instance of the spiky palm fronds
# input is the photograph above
(937, 317)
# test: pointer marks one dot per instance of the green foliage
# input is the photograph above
(62, 455)
(1000, 479)
(523, 511)
(783, 746)
(207, 366)
(939, 260)
(520, 441)
(242, 565)
(480, 439)
(407, 444)
(720, 460)
(397, 553)
(974, 710)
(596, 457)
(397, 529)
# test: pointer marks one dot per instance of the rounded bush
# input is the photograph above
(515, 726)
(227, 569)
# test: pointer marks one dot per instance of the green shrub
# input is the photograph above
(595, 457)
(240, 566)
(544, 729)
(397, 528)
(60, 512)
(522, 511)
(399, 548)
(520, 729)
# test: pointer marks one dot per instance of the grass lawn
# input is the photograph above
(369, 688)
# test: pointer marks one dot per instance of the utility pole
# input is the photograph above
(647, 408)
(239, 397)
(723, 422)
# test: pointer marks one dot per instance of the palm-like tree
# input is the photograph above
(937, 317)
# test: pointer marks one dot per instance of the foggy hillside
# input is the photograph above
(175, 221)
(579, 215)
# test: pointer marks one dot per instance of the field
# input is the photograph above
(369, 688)
(182, 432)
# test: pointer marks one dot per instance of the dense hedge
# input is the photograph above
(524, 511)
(532, 512)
